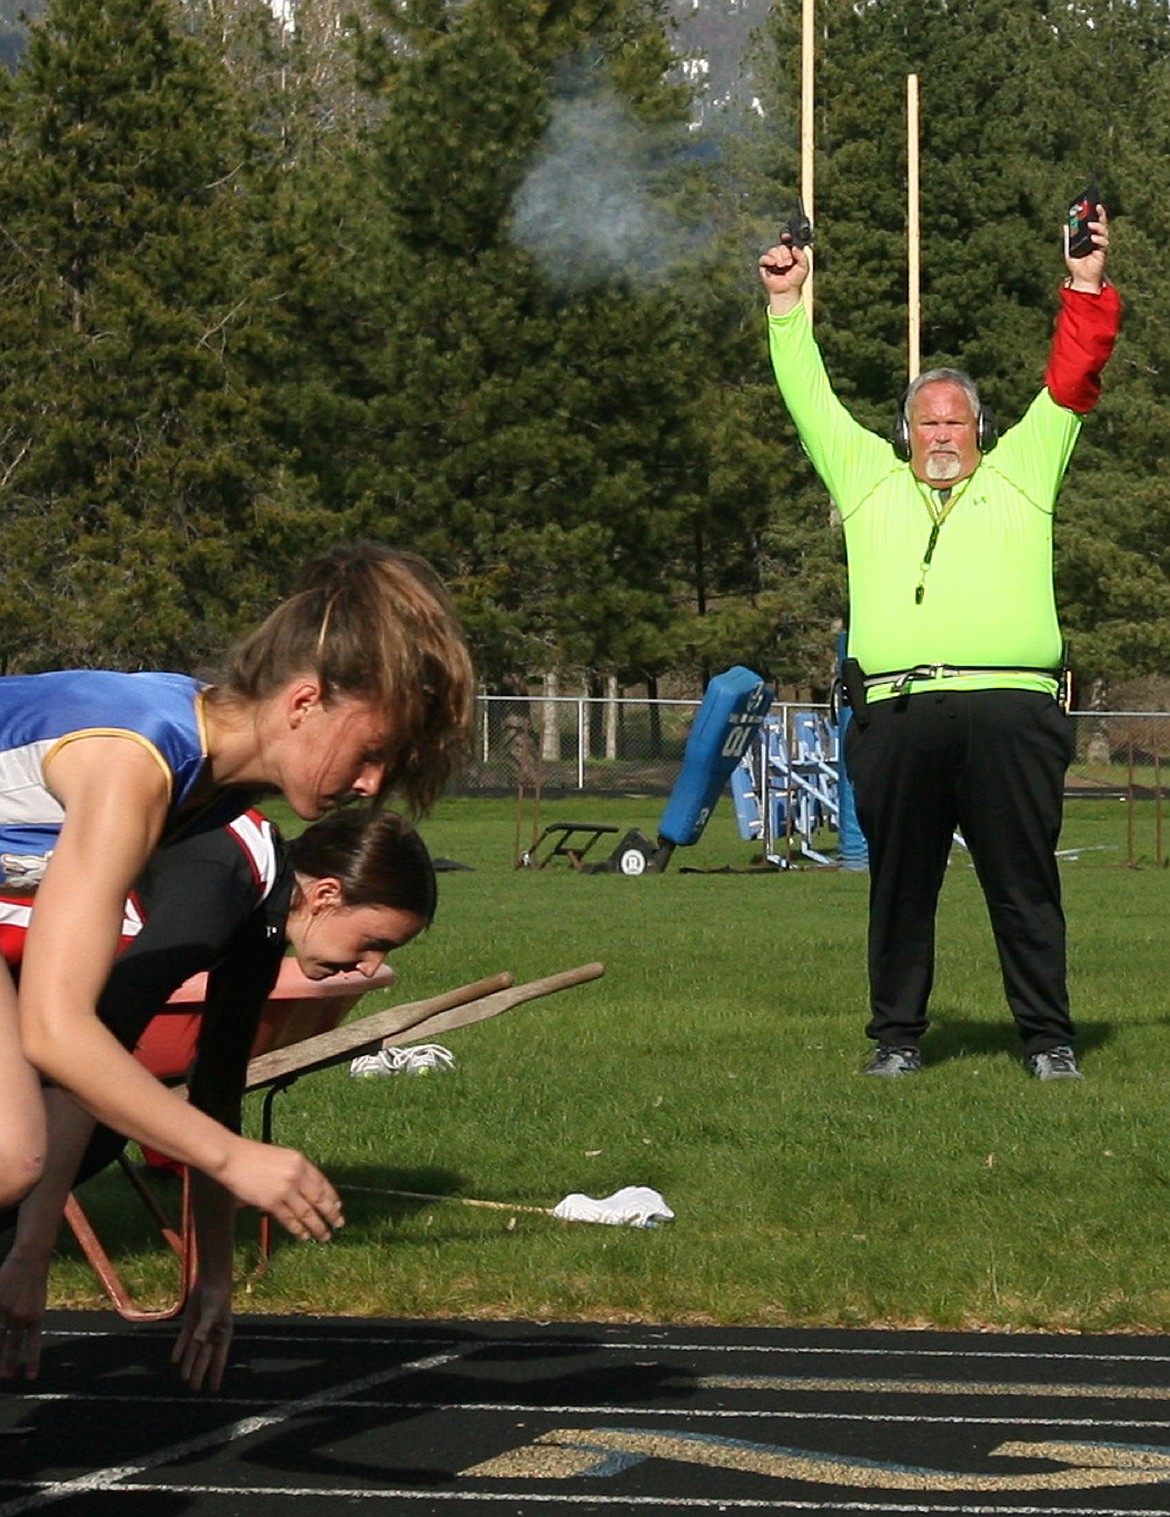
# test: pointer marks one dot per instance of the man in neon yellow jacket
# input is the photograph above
(954, 652)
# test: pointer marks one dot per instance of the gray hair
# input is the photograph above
(947, 376)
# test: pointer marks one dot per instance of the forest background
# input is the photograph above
(478, 279)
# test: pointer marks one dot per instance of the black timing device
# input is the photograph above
(1080, 213)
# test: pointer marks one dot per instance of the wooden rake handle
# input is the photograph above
(426, 1195)
(401, 1024)
(341, 1043)
(491, 1005)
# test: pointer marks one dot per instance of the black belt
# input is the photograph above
(900, 678)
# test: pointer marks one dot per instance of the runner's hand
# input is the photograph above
(285, 1184)
(202, 1350)
(24, 1286)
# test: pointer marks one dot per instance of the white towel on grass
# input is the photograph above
(633, 1206)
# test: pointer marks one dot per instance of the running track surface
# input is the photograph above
(471, 1418)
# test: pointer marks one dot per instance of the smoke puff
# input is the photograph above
(585, 209)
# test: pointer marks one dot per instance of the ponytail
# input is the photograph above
(375, 625)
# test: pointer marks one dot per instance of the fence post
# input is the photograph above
(550, 718)
(582, 740)
(611, 716)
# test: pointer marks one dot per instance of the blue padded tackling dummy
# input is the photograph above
(725, 725)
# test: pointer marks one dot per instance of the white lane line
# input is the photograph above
(682, 1414)
(1040, 1389)
(244, 1338)
(718, 1503)
(612, 1409)
(114, 1475)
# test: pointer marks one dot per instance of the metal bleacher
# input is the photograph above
(789, 792)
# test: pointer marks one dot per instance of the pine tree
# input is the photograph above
(507, 404)
(137, 488)
(290, 67)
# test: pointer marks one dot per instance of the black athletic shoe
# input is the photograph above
(1055, 1064)
(893, 1063)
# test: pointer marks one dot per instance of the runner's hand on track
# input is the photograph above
(202, 1349)
(24, 1285)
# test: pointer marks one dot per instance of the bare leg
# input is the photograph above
(22, 1112)
(24, 1275)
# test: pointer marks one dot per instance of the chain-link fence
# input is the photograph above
(626, 745)
(1120, 751)
(570, 743)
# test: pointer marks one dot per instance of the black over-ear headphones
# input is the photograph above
(986, 430)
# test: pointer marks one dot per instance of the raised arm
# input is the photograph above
(844, 453)
(1086, 325)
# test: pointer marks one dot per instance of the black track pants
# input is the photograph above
(991, 763)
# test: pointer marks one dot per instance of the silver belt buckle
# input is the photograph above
(923, 671)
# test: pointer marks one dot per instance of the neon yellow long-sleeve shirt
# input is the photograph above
(987, 595)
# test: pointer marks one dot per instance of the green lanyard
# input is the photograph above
(939, 511)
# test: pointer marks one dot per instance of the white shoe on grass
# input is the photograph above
(420, 1059)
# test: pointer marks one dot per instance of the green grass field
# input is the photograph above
(718, 1060)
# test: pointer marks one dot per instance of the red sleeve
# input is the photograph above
(1082, 340)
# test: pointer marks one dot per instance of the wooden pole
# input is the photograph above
(1130, 808)
(807, 60)
(913, 271)
(365, 1035)
(455, 1008)
(427, 1195)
